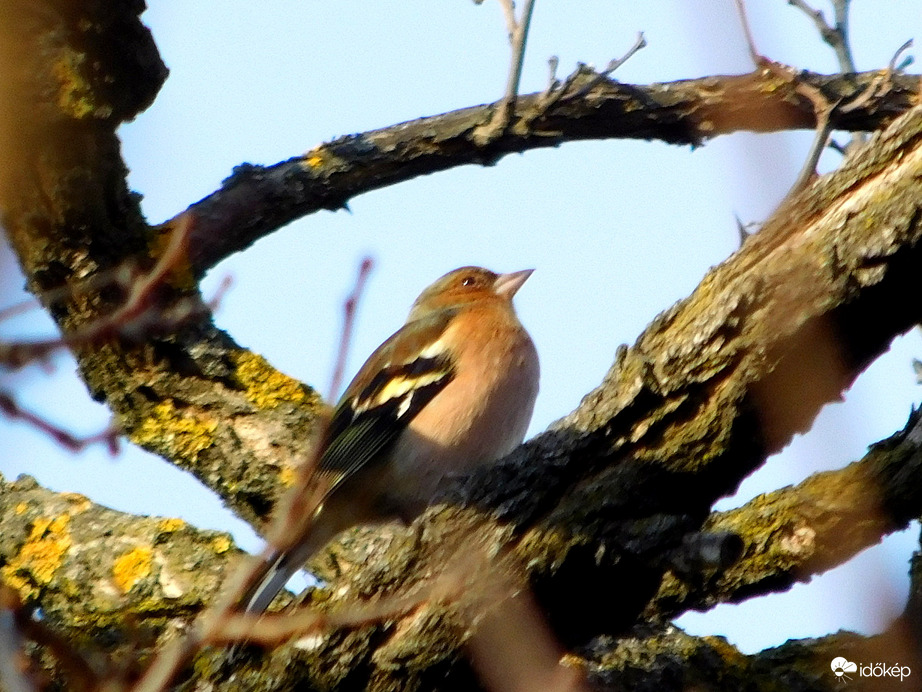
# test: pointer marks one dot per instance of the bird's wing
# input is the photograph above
(396, 382)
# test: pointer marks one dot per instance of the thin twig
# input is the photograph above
(138, 317)
(502, 116)
(109, 436)
(12, 674)
(79, 673)
(345, 339)
(562, 94)
(836, 36)
(639, 43)
(18, 309)
(290, 525)
(754, 54)
(892, 67)
(553, 63)
(820, 139)
(508, 8)
(519, 41)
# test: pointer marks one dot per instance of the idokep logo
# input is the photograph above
(841, 667)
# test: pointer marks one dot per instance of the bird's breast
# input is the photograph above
(482, 414)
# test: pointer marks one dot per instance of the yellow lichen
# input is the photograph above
(170, 525)
(132, 567)
(179, 434)
(221, 544)
(21, 507)
(40, 556)
(287, 476)
(75, 94)
(314, 158)
(265, 386)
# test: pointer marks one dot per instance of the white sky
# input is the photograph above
(617, 231)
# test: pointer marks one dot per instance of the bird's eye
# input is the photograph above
(468, 281)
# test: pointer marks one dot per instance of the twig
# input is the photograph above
(639, 43)
(272, 629)
(345, 339)
(519, 40)
(109, 436)
(138, 317)
(502, 116)
(554, 95)
(836, 36)
(80, 675)
(508, 8)
(18, 309)
(12, 674)
(290, 525)
(820, 139)
(553, 63)
(892, 67)
(757, 57)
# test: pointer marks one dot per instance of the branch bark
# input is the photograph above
(602, 501)
(256, 200)
(799, 531)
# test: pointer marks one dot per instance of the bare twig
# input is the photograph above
(508, 8)
(552, 83)
(80, 675)
(502, 116)
(519, 40)
(138, 317)
(757, 57)
(893, 67)
(274, 628)
(289, 527)
(639, 43)
(18, 309)
(109, 436)
(345, 339)
(836, 36)
(12, 674)
(820, 140)
(555, 94)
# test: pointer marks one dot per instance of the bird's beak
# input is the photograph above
(507, 285)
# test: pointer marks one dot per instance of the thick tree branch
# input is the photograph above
(712, 387)
(101, 576)
(799, 531)
(257, 200)
(715, 384)
(68, 75)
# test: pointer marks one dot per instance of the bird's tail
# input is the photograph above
(284, 566)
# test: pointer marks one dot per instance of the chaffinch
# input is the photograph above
(451, 389)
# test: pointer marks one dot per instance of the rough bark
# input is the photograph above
(589, 518)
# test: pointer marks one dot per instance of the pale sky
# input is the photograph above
(617, 231)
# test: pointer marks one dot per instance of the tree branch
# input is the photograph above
(712, 387)
(799, 531)
(257, 200)
(600, 501)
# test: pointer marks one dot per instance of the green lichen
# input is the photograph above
(75, 93)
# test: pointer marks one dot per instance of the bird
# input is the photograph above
(452, 389)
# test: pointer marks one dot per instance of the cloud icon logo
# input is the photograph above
(840, 666)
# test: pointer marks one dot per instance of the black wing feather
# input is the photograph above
(363, 437)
